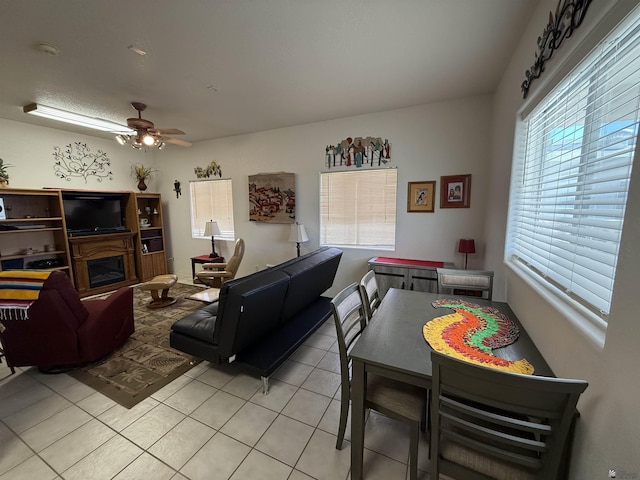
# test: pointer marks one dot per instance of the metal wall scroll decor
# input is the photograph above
(81, 164)
(358, 152)
(567, 18)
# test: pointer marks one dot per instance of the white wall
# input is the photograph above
(608, 434)
(428, 141)
(30, 150)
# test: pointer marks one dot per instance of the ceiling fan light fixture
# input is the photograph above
(148, 140)
(122, 139)
(75, 118)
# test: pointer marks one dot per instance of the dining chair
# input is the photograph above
(465, 282)
(488, 423)
(397, 400)
(370, 294)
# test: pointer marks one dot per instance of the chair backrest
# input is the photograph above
(348, 312)
(370, 293)
(464, 281)
(234, 262)
(486, 422)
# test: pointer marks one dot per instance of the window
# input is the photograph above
(571, 171)
(358, 208)
(212, 200)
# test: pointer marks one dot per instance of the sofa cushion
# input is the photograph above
(199, 324)
(249, 308)
(59, 282)
(311, 276)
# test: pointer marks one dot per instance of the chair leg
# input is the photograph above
(344, 413)
(413, 451)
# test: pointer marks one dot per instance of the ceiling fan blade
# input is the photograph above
(175, 141)
(165, 131)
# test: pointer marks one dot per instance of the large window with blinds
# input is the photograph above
(212, 200)
(358, 208)
(572, 164)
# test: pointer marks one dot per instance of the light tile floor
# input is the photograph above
(211, 423)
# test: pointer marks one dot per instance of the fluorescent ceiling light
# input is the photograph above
(76, 119)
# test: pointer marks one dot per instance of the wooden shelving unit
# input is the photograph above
(152, 259)
(33, 231)
(33, 234)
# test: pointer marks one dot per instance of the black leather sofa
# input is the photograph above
(260, 320)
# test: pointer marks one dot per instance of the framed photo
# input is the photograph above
(421, 196)
(455, 191)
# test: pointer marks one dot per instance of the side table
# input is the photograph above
(203, 259)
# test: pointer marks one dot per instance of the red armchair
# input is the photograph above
(62, 331)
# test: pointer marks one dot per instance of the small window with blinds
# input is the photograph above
(358, 208)
(212, 200)
(571, 172)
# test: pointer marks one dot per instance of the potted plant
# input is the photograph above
(141, 174)
(4, 176)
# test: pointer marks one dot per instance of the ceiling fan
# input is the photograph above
(147, 135)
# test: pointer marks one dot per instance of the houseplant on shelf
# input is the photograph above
(141, 174)
(4, 176)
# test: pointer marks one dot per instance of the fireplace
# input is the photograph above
(105, 271)
(102, 263)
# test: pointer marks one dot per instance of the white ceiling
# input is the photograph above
(272, 63)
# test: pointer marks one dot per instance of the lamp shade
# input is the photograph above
(211, 228)
(467, 245)
(298, 234)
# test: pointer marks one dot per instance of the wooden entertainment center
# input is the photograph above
(34, 234)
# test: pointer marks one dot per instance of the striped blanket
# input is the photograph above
(18, 290)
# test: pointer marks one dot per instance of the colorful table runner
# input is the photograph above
(18, 290)
(472, 333)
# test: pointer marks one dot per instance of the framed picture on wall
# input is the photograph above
(455, 191)
(272, 197)
(421, 196)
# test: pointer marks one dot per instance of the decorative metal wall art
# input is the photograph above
(272, 197)
(212, 169)
(82, 163)
(358, 152)
(567, 18)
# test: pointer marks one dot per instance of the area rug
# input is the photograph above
(146, 362)
(472, 333)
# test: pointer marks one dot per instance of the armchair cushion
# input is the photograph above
(215, 266)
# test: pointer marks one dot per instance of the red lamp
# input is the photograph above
(466, 246)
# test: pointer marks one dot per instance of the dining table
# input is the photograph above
(393, 345)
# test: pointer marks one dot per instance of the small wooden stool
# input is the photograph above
(157, 283)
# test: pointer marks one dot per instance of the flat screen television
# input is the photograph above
(93, 214)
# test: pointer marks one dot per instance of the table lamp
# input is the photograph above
(298, 235)
(466, 246)
(211, 229)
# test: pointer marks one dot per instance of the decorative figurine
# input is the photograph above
(177, 189)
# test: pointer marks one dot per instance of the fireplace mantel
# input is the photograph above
(93, 247)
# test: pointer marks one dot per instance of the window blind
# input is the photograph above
(212, 200)
(571, 173)
(358, 208)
